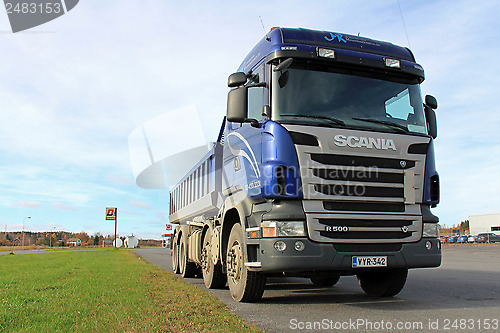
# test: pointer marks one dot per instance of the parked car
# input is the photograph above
(463, 239)
(451, 239)
(442, 239)
(471, 239)
(487, 237)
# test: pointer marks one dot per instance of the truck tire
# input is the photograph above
(175, 257)
(213, 276)
(325, 281)
(383, 283)
(244, 285)
(187, 268)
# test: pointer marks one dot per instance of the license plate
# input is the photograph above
(377, 261)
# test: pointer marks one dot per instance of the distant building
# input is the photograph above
(74, 241)
(484, 223)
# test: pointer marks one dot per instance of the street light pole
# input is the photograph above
(23, 229)
(51, 236)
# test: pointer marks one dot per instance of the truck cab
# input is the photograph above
(327, 166)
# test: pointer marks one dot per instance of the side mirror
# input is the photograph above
(431, 102)
(237, 104)
(283, 79)
(236, 79)
(430, 116)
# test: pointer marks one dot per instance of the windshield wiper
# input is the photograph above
(384, 122)
(333, 120)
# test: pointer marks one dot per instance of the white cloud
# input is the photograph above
(61, 206)
(139, 204)
(26, 204)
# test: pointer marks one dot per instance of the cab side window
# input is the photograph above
(256, 95)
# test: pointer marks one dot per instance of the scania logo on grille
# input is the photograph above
(404, 229)
(364, 142)
(403, 164)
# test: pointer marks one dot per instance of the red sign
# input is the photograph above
(111, 213)
(169, 226)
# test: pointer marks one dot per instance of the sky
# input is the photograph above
(74, 90)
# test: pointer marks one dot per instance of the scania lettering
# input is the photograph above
(355, 142)
(324, 167)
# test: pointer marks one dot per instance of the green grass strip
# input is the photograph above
(104, 291)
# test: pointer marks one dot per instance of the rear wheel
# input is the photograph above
(325, 281)
(187, 268)
(213, 276)
(244, 285)
(175, 258)
(383, 283)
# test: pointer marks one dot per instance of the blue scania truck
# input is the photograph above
(324, 167)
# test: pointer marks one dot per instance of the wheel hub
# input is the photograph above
(204, 257)
(234, 262)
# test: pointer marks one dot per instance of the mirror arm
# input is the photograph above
(253, 122)
(260, 84)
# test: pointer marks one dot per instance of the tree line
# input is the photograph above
(61, 238)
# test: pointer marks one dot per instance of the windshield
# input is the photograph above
(363, 100)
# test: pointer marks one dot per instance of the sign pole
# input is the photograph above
(116, 221)
(111, 213)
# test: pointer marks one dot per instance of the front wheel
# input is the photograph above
(244, 285)
(383, 283)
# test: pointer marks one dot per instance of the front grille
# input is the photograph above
(372, 195)
(365, 223)
(373, 176)
(366, 235)
(360, 190)
(368, 162)
(363, 228)
(353, 189)
(364, 206)
(346, 176)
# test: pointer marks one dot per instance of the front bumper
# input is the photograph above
(324, 256)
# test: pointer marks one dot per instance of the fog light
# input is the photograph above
(280, 246)
(299, 246)
(326, 53)
(393, 63)
(428, 245)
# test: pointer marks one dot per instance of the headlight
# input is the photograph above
(283, 228)
(430, 230)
